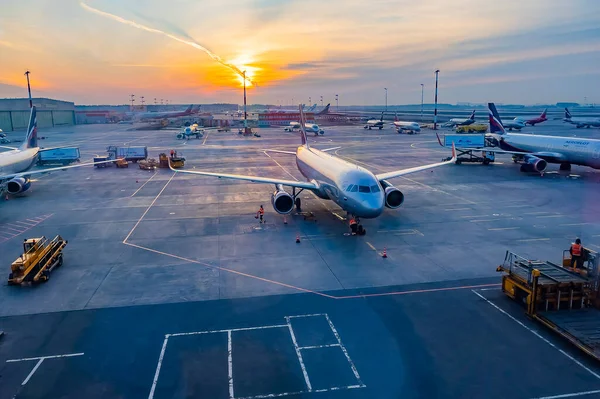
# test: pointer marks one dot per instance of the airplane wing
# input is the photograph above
(547, 155)
(330, 149)
(39, 171)
(253, 179)
(8, 148)
(282, 152)
(402, 172)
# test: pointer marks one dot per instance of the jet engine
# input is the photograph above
(532, 163)
(393, 197)
(18, 185)
(282, 202)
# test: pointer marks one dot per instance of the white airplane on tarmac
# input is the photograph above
(461, 121)
(378, 123)
(408, 127)
(15, 164)
(580, 122)
(534, 152)
(309, 127)
(356, 190)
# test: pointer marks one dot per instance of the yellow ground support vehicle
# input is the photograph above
(475, 127)
(176, 161)
(565, 301)
(121, 163)
(40, 256)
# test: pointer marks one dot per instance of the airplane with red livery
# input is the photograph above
(539, 119)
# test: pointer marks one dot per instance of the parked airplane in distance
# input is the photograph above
(15, 164)
(461, 121)
(309, 127)
(378, 123)
(580, 122)
(516, 123)
(539, 119)
(407, 127)
(144, 116)
(356, 190)
(534, 152)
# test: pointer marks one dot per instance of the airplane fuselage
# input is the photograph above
(412, 126)
(17, 161)
(514, 124)
(583, 122)
(334, 176)
(585, 152)
(374, 123)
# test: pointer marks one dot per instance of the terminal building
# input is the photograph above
(14, 113)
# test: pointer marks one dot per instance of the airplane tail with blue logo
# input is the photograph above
(495, 122)
(567, 114)
(31, 137)
(303, 126)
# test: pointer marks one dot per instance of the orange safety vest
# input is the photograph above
(576, 249)
(352, 221)
(261, 211)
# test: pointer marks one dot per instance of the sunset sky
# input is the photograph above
(101, 51)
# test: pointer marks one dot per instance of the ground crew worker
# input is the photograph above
(576, 251)
(172, 154)
(353, 225)
(260, 214)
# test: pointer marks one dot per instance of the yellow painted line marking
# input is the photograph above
(535, 239)
(371, 246)
(534, 213)
(205, 137)
(504, 228)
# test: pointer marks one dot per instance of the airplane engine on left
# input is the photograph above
(18, 185)
(282, 202)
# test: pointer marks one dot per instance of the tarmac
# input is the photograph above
(171, 288)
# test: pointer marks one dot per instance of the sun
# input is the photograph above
(245, 63)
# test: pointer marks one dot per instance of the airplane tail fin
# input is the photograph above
(31, 137)
(543, 115)
(189, 109)
(195, 109)
(472, 115)
(381, 119)
(396, 117)
(567, 114)
(303, 126)
(324, 110)
(495, 122)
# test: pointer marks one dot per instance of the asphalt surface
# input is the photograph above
(189, 250)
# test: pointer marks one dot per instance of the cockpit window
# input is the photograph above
(354, 188)
(375, 188)
(349, 188)
(364, 189)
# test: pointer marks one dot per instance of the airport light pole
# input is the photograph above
(385, 88)
(142, 101)
(437, 72)
(245, 113)
(132, 100)
(321, 101)
(337, 103)
(309, 101)
(422, 87)
(29, 89)
(161, 101)
(154, 100)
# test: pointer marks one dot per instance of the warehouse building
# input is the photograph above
(14, 113)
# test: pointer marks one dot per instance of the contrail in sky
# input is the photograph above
(179, 39)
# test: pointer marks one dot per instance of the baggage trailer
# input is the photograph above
(563, 300)
(132, 154)
(469, 148)
(40, 256)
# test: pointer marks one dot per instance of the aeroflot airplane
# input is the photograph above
(461, 121)
(355, 189)
(535, 151)
(408, 127)
(14, 164)
(580, 122)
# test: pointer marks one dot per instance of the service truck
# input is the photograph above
(132, 153)
(61, 156)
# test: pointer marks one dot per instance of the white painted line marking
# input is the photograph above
(457, 209)
(593, 245)
(142, 186)
(570, 395)
(534, 239)
(26, 224)
(34, 221)
(306, 315)
(534, 213)
(550, 216)
(343, 348)
(504, 228)
(299, 354)
(318, 346)
(516, 206)
(25, 359)
(573, 224)
(538, 335)
(18, 231)
(473, 216)
(37, 365)
(153, 201)
(483, 220)
(227, 330)
(371, 246)
(158, 366)
(230, 365)
(279, 395)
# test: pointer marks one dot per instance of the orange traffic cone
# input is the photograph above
(297, 238)
(384, 254)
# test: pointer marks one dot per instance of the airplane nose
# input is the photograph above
(372, 207)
